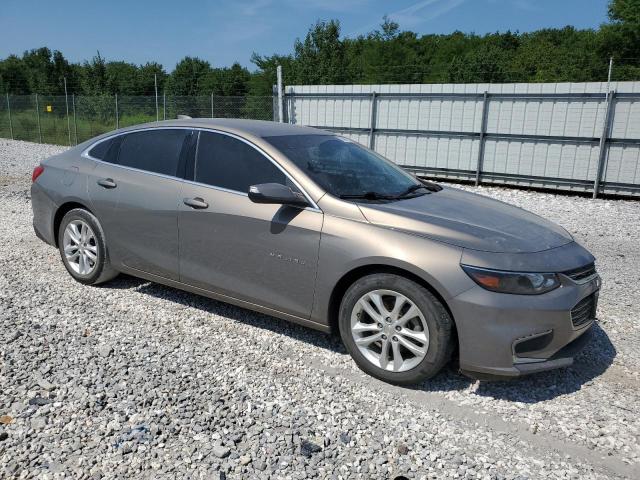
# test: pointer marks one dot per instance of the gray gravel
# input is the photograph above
(134, 379)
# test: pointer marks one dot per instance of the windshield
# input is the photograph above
(345, 168)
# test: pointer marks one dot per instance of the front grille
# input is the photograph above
(584, 311)
(581, 273)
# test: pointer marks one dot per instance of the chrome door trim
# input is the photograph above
(85, 153)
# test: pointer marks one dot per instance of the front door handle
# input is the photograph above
(107, 183)
(197, 203)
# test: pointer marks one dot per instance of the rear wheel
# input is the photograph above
(83, 249)
(395, 329)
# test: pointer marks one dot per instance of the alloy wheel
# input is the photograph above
(80, 247)
(389, 330)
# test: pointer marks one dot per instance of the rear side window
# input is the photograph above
(227, 162)
(155, 151)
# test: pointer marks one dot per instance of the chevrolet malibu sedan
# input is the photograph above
(311, 227)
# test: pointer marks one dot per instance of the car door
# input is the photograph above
(146, 178)
(263, 254)
(102, 194)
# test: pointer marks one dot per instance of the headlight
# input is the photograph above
(520, 283)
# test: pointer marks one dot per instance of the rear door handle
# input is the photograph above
(197, 203)
(107, 183)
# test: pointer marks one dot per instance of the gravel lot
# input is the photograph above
(137, 379)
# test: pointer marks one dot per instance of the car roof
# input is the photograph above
(257, 128)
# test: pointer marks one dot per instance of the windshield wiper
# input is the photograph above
(412, 189)
(429, 185)
(369, 196)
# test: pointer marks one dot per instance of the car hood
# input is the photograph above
(470, 221)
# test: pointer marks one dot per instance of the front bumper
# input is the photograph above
(504, 335)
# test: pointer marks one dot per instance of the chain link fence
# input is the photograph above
(69, 120)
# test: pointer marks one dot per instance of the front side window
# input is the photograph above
(155, 151)
(345, 168)
(226, 162)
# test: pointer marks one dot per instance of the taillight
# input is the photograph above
(36, 173)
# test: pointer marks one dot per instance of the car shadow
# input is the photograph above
(589, 364)
(239, 314)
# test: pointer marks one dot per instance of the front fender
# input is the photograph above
(347, 245)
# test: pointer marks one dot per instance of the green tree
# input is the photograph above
(263, 80)
(121, 78)
(13, 76)
(620, 39)
(233, 81)
(320, 57)
(93, 76)
(38, 68)
(625, 11)
(486, 64)
(186, 77)
(388, 54)
(147, 75)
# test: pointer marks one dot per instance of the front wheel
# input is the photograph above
(83, 249)
(395, 329)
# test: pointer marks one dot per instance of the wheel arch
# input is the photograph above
(356, 273)
(61, 212)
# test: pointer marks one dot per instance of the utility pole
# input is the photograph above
(280, 96)
(38, 117)
(75, 120)
(9, 111)
(117, 113)
(66, 101)
(155, 83)
(609, 76)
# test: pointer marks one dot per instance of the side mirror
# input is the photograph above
(276, 193)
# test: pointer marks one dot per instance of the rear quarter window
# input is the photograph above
(100, 150)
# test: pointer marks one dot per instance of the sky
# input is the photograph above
(223, 32)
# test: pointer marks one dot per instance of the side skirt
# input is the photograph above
(224, 298)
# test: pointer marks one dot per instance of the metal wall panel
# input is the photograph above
(433, 152)
(528, 132)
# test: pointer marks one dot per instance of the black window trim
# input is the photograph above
(192, 158)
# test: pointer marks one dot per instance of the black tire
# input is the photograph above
(438, 320)
(102, 271)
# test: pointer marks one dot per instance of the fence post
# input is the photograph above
(38, 117)
(9, 110)
(280, 94)
(66, 102)
(75, 121)
(117, 114)
(155, 83)
(211, 104)
(483, 132)
(372, 121)
(274, 103)
(288, 111)
(164, 105)
(602, 156)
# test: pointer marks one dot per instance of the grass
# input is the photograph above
(96, 115)
(56, 129)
